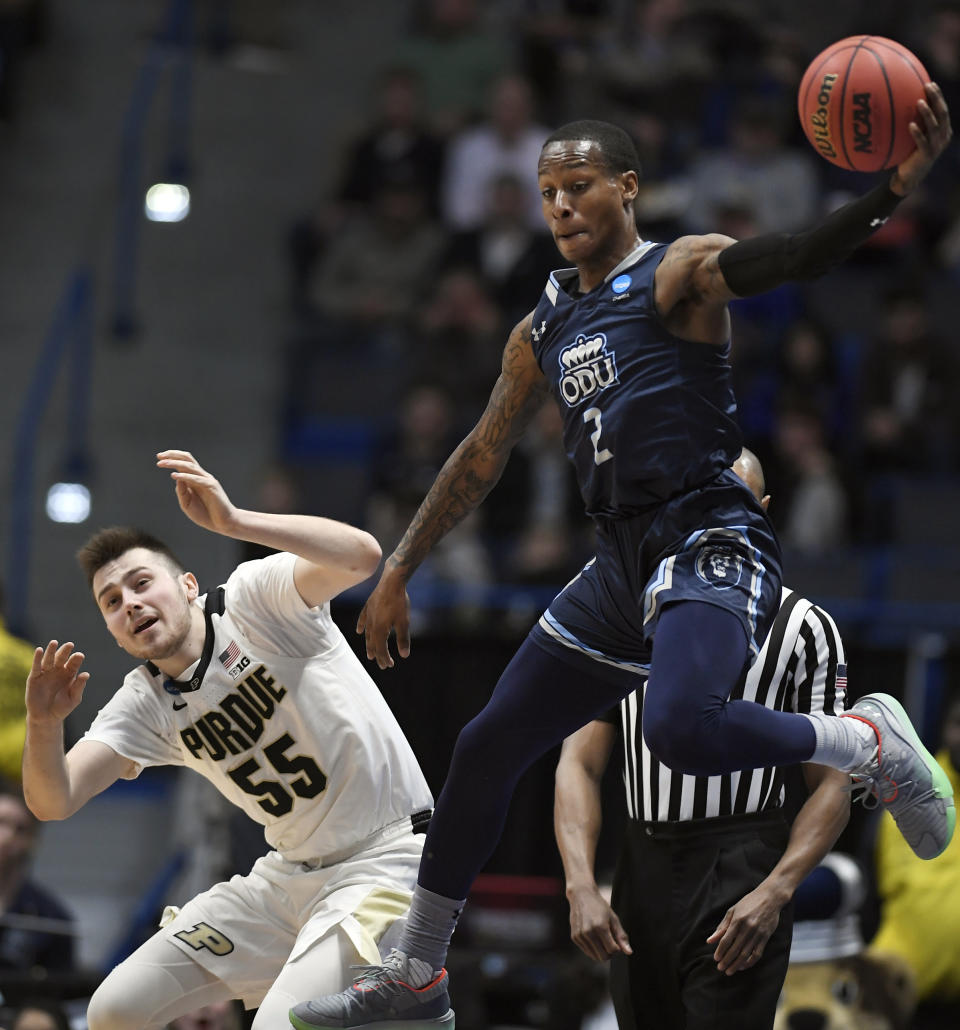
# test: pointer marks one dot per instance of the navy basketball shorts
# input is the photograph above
(714, 544)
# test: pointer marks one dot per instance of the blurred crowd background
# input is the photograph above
(328, 321)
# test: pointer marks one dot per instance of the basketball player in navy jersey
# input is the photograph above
(633, 344)
(721, 843)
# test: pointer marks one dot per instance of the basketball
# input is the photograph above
(857, 99)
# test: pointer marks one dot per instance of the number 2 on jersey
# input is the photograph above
(599, 457)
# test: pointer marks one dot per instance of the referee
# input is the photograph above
(700, 925)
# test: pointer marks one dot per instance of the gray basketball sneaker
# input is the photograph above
(904, 777)
(381, 996)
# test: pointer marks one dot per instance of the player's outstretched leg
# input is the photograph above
(904, 777)
(381, 995)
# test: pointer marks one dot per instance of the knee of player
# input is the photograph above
(481, 736)
(664, 727)
(112, 1009)
(677, 743)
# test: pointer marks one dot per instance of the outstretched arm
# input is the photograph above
(577, 818)
(332, 555)
(747, 926)
(57, 785)
(467, 476)
(701, 274)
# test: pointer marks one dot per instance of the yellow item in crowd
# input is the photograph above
(16, 659)
(920, 906)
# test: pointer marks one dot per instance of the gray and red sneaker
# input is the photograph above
(382, 997)
(904, 777)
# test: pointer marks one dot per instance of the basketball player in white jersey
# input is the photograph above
(253, 687)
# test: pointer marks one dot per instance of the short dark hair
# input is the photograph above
(618, 149)
(109, 544)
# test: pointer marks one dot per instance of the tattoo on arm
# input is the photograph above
(716, 283)
(694, 276)
(474, 468)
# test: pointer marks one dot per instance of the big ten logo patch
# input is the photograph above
(719, 567)
(233, 659)
(586, 368)
(239, 667)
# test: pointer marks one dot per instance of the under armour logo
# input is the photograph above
(877, 222)
(537, 333)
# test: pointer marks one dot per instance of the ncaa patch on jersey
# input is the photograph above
(621, 284)
(719, 567)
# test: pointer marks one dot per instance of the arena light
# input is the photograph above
(68, 502)
(167, 202)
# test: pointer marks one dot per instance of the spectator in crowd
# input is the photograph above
(35, 927)
(278, 492)
(920, 902)
(555, 538)
(457, 57)
(376, 268)
(407, 462)
(808, 368)
(513, 258)
(16, 657)
(909, 379)
(556, 44)
(365, 291)
(397, 140)
(814, 517)
(756, 168)
(937, 44)
(507, 142)
(40, 1014)
(654, 55)
(664, 152)
(757, 323)
(393, 143)
(457, 342)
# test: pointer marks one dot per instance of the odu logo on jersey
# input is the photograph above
(586, 368)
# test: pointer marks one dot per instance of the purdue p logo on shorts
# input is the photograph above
(203, 935)
(719, 567)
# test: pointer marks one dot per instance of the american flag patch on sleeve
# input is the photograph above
(232, 654)
(841, 676)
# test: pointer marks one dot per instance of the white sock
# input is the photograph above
(843, 743)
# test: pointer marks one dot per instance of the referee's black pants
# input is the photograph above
(674, 883)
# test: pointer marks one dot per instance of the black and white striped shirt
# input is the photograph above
(800, 668)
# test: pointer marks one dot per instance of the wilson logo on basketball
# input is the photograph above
(586, 368)
(862, 124)
(820, 119)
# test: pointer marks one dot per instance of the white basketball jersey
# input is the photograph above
(282, 718)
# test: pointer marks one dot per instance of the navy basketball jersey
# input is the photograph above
(646, 415)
